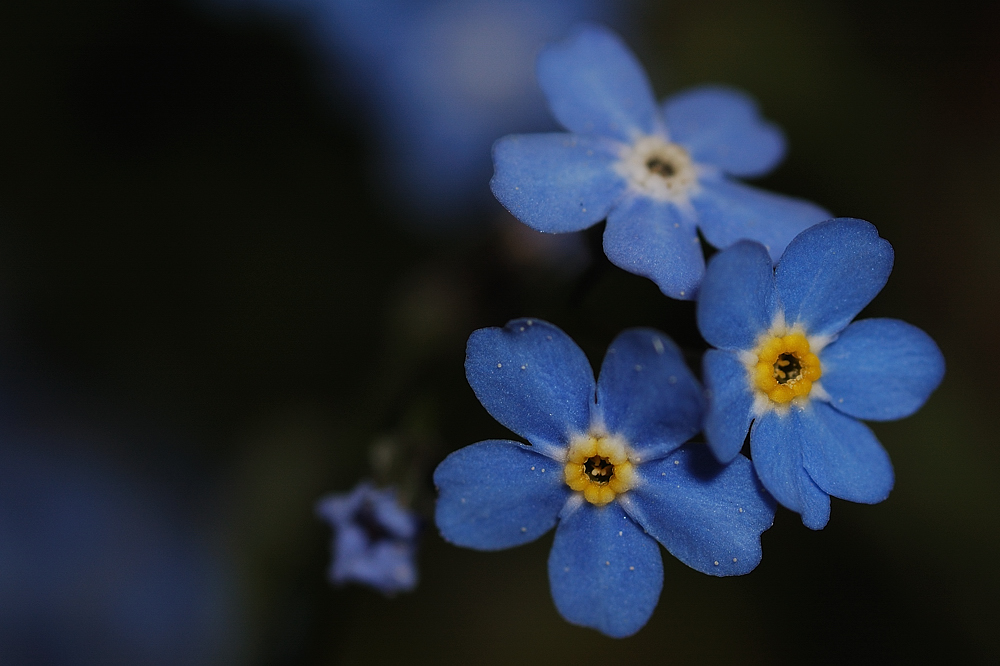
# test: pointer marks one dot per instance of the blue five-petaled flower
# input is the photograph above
(657, 174)
(790, 361)
(606, 462)
(374, 539)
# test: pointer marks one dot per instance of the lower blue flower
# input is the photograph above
(374, 541)
(791, 363)
(606, 466)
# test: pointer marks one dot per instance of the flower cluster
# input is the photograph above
(610, 463)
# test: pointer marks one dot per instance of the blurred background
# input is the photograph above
(242, 244)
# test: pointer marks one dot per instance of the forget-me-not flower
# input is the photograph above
(790, 361)
(658, 174)
(374, 539)
(440, 80)
(606, 463)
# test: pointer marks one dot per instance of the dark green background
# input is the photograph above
(198, 280)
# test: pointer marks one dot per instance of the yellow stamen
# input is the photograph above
(786, 368)
(599, 467)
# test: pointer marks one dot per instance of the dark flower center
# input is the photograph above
(660, 167)
(598, 469)
(787, 368)
(368, 521)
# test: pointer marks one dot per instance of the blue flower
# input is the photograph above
(606, 463)
(790, 362)
(374, 539)
(441, 79)
(657, 174)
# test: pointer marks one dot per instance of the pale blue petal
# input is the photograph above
(729, 211)
(556, 182)
(387, 565)
(736, 302)
(384, 509)
(595, 85)
(881, 369)
(708, 516)
(647, 394)
(374, 539)
(653, 239)
(722, 127)
(532, 378)
(605, 572)
(730, 403)
(843, 456)
(497, 494)
(830, 272)
(776, 447)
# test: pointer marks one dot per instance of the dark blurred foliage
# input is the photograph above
(200, 284)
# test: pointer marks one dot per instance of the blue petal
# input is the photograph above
(653, 239)
(881, 369)
(730, 403)
(722, 127)
(831, 271)
(605, 572)
(776, 443)
(595, 85)
(708, 516)
(843, 456)
(387, 565)
(532, 378)
(736, 300)
(647, 394)
(497, 494)
(556, 182)
(343, 508)
(729, 211)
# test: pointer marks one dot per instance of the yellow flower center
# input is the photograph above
(599, 467)
(785, 368)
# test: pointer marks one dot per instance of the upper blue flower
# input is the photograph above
(606, 463)
(441, 80)
(374, 539)
(657, 174)
(790, 361)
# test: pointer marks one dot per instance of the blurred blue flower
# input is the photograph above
(790, 361)
(374, 539)
(96, 568)
(606, 463)
(442, 79)
(657, 174)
